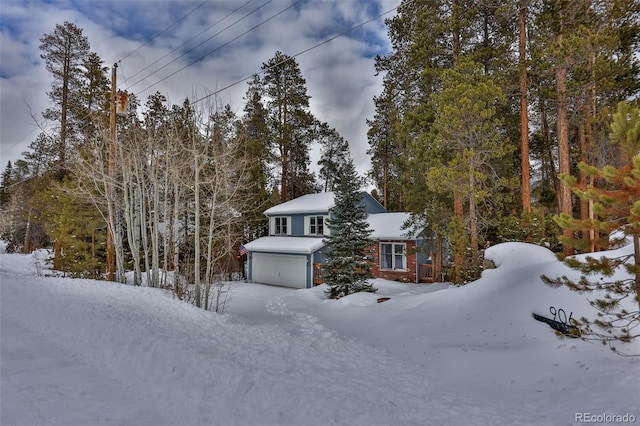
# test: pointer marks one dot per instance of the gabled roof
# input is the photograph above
(310, 203)
(319, 203)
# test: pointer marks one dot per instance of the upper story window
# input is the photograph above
(393, 256)
(281, 226)
(316, 225)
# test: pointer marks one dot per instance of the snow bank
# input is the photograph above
(430, 355)
(482, 338)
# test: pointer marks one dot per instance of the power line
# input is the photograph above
(164, 31)
(225, 44)
(13, 145)
(298, 54)
(183, 44)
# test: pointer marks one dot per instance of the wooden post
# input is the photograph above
(111, 258)
(524, 107)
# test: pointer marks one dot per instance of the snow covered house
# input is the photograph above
(293, 253)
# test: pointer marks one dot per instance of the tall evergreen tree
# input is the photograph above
(290, 124)
(255, 137)
(428, 38)
(467, 125)
(334, 155)
(616, 207)
(41, 155)
(348, 265)
(64, 51)
(95, 97)
(386, 149)
(6, 180)
(583, 63)
(577, 62)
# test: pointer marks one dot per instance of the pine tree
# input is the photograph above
(255, 133)
(348, 261)
(75, 226)
(6, 180)
(385, 150)
(616, 207)
(290, 124)
(334, 157)
(64, 51)
(94, 99)
(468, 129)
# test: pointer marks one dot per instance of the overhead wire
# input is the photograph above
(165, 30)
(223, 45)
(330, 39)
(262, 71)
(187, 41)
(5, 150)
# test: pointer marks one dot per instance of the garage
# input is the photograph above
(289, 270)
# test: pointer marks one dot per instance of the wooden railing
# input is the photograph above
(425, 273)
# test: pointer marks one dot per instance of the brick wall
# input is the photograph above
(409, 274)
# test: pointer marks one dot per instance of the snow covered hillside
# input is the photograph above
(82, 352)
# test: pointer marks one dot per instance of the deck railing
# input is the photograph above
(425, 273)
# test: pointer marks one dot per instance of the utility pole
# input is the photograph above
(524, 106)
(111, 256)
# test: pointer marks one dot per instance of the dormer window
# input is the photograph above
(280, 226)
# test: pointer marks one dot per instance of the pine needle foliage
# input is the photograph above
(348, 265)
(616, 208)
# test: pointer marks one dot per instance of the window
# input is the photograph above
(316, 225)
(392, 256)
(280, 226)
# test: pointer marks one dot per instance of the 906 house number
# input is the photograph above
(559, 322)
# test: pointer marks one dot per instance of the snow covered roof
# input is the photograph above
(389, 226)
(286, 244)
(310, 203)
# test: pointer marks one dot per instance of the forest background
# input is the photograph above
(485, 107)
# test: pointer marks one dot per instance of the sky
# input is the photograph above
(190, 49)
(86, 352)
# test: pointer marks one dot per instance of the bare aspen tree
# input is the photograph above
(227, 175)
(130, 210)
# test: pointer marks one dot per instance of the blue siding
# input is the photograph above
(372, 205)
(319, 256)
(297, 224)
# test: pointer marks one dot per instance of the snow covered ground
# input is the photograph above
(82, 352)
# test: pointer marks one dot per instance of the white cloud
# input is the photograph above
(340, 74)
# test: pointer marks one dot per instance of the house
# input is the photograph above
(294, 252)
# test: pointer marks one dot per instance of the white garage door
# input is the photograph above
(288, 270)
